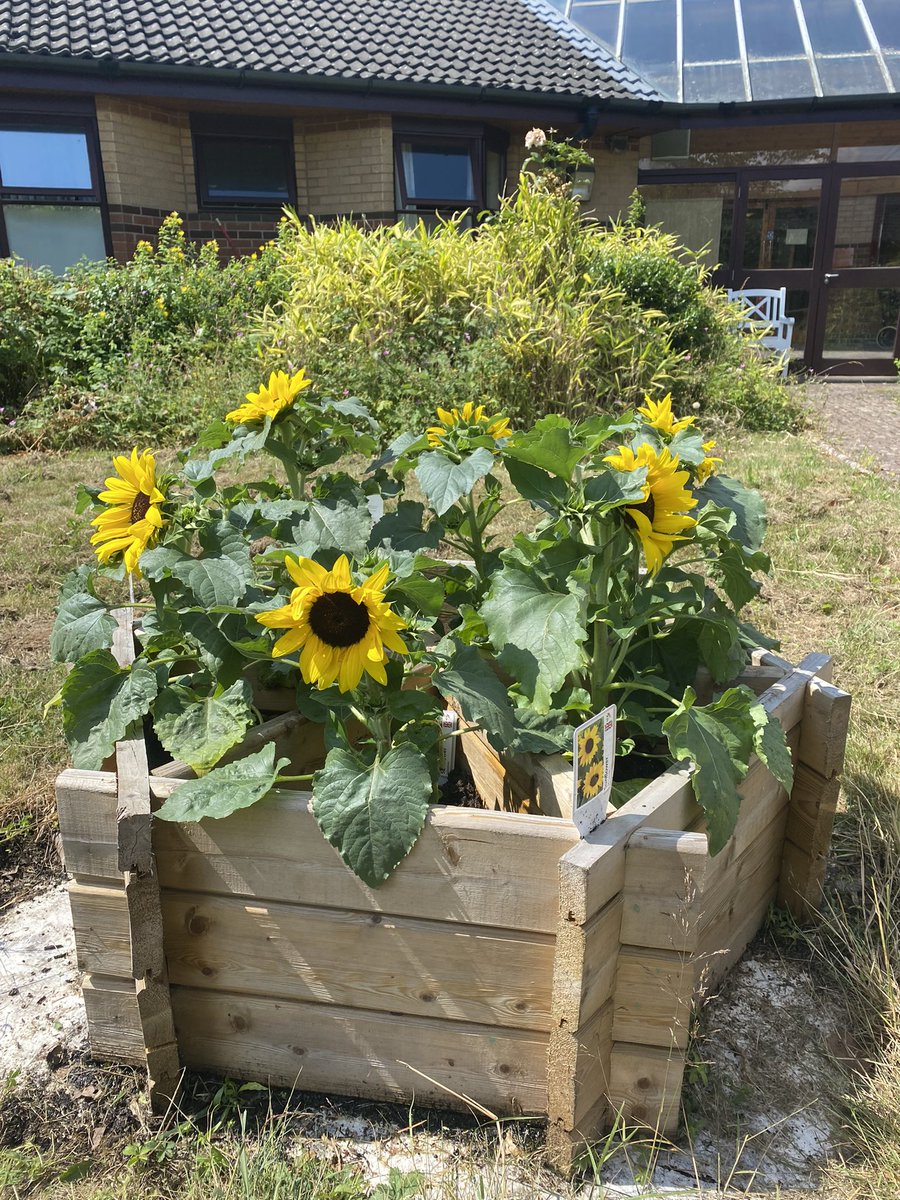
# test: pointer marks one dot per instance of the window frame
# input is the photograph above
(39, 118)
(478, 139)
(209, 127)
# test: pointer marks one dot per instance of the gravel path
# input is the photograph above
(859, 420)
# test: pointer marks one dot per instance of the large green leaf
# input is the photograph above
(536, 631)
(444, 481)
(100, 701)
(334, 524)
(721, 647)
(225, 789)
(481, 696)
(198, 730)
(746, 503)
(719, 740)
(734, 569)
(220, 576)
(214, 639)
(549, 445)
(610, 488)
(771, 747)
(405, 529)
(83, 623)
(372, 813)
(542, 489)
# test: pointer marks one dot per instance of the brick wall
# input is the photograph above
(345, 164)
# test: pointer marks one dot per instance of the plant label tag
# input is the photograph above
(593, 755)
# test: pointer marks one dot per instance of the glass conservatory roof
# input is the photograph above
(707, 51)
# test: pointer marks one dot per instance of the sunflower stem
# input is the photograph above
(476, 545)
(296, 482)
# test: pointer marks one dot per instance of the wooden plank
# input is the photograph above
(653, 997)
(86, 803)
(360, 960)
(533, 783)
(114, 1024)
(813, 804)
(142, 898)
(645, 1085)
(826, 718)
(102, 933)
(747, 877)
(729, 940)
(324, 1047)
(581, 1076)
(819, 665)
(786, 699)
(663, 889)
(468, 865)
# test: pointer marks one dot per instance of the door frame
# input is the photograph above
(812, 279)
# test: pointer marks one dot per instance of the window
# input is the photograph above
(49, 191)
(438, 170)
(243, 162)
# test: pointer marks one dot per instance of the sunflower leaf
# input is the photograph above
(609, 488)
(444, 481)
(100, 701)
(225, 789)
(733, 567)
(372, 813)
(220, 577)
(405, 529)
(198, 730)
(537, 632)
(771, 747)
(719, 739)
(334, 524)
(548, 445)
(746, 503)
(482, 698)
(537, 486)
(83, 623)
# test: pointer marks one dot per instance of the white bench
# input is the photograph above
(764, 311)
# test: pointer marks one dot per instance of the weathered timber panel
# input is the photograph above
(323, 1047)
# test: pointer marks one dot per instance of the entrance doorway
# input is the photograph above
(830, 234)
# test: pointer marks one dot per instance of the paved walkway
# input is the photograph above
(859, 420)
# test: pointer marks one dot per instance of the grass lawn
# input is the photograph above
(835, 587)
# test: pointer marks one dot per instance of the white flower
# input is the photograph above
(534, 139)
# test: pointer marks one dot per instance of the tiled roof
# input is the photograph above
(512, 45)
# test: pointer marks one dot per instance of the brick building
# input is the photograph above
(767, 133)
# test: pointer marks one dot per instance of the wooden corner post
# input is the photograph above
(662, 898)
(145, 926)
(813, 802)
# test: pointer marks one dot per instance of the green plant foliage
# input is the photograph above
(226, 789)
(101, 700)
(199, 729)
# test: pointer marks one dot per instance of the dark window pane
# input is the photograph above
(710, 31)
(834, 26)
(771, 29)
(54, 236)
(438, 172)
(861, 322)
(850, 76)
(868, 223)
(41, 159)
(722, 81)
(780, 80)
(782, 219)
(649, 42)
(241, 169)
(885, 18)
(601, 20)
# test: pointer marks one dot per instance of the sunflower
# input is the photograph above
(132, 519)
(588, 745)
(271, 399)
(592, 781)
(709, 466)
(469, 419)
(660, 519)
(659, 415)
(343, 628)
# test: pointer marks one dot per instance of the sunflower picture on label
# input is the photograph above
(593, 755)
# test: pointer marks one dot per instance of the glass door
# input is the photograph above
(856, 332)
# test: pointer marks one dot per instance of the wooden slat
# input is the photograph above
(662, 893)
(645, 1085)
(730, 938)
(533, 783)
(102, 933)
(135, 859)
(468, 865)
(360, 960)
(114, 1024)
(86, 803)
(323, 1047)
(653, 998)
(826, 718)
(738, 888)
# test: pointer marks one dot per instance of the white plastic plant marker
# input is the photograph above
(593, 756)
(449, 726)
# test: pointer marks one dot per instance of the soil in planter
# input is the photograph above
(460, 791)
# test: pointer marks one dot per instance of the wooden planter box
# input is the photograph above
(507, 965)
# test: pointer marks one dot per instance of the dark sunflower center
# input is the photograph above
(647, 507)
(140, 507)
(338, 620)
